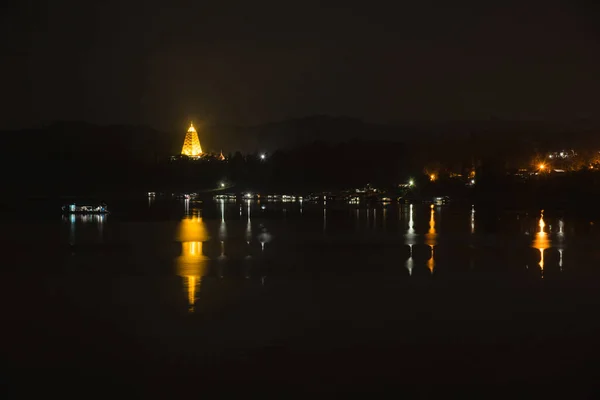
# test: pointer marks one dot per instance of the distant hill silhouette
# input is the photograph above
(299, 131)
(322, 149)
(78, 141)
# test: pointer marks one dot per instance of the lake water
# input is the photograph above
(306, 295)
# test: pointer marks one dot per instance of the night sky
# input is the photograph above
(249, 62)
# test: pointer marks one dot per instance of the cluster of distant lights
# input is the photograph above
(562, 154)
(432, 178)
(273, 197)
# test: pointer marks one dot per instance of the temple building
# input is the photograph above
(191, 143)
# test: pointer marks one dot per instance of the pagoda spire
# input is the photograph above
(221, 156)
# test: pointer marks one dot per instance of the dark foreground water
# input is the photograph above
(167, 298)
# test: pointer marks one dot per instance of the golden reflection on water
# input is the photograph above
(191, 282)
(541, 241)
(431, 261)
(431, 239)
(192, 263)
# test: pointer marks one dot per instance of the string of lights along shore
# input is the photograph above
(191, 145)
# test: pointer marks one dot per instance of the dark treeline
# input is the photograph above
(80, 158)
(315, 167)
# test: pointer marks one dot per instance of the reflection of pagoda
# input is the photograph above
(192, 263)
(191, 143)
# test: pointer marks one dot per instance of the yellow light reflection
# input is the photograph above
(431, 239)
(541, 241)
(192, 263)
(431, 261)
(432, 222)
(191, 288)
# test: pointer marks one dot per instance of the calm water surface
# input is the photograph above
(249, 291)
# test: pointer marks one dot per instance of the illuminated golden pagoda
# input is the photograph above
(221, 156)
(191, 143)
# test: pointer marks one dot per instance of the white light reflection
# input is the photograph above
(561, 227)
(72, 229)
(561, 245)
(222, 225)
(410, 239)
(410, 262)
(264, 237)
(100, 219)
(472, 219)
(151, 199)
(248, 231)
(222, 255)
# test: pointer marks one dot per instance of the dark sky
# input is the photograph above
(160, 63)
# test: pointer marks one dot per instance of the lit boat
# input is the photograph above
(87, 209)
(438, 201)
